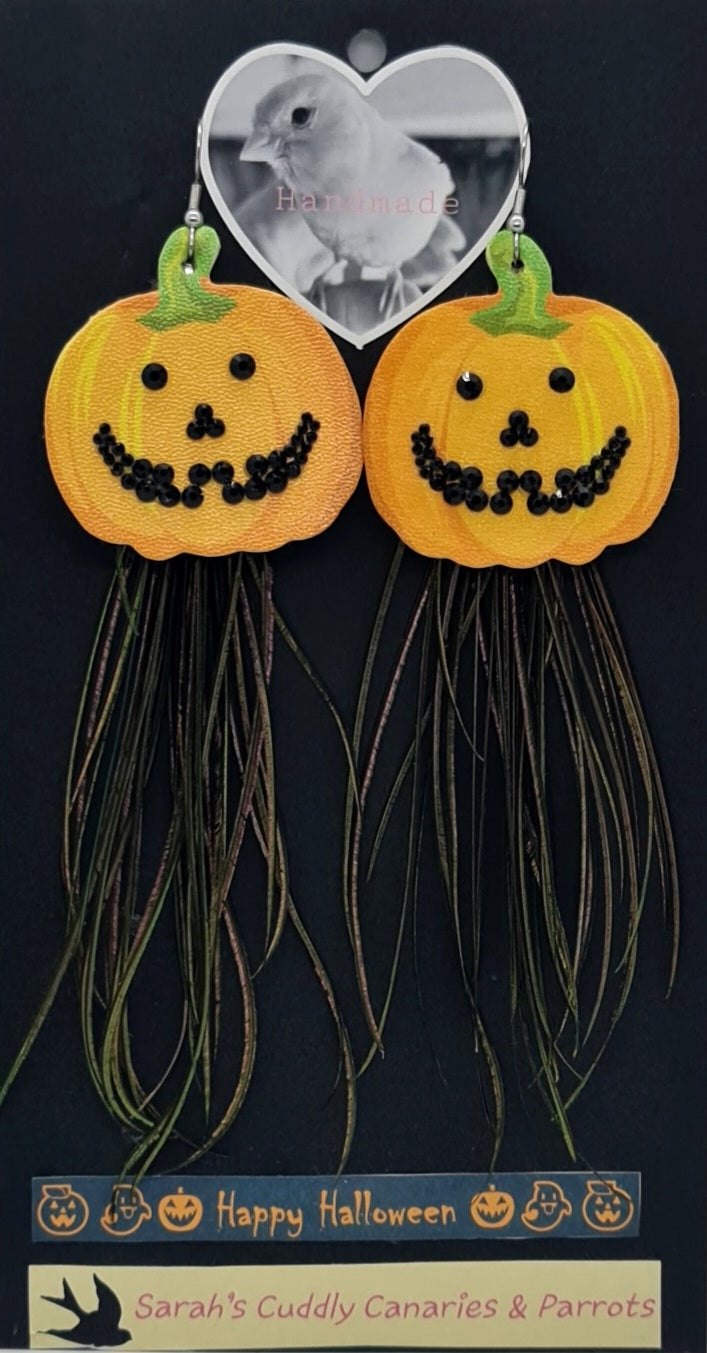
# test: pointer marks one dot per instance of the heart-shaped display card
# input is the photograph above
(362, 199)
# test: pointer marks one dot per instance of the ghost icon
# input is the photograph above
(546, 1206)
(126, 1211)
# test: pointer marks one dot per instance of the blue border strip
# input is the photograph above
(292, 1208)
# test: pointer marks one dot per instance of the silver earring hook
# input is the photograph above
(516, 220)
(192, 216)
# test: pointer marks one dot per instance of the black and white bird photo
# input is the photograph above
(362, 202)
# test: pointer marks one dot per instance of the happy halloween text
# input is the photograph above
(355, 1209)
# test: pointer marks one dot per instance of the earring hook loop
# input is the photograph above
(192, 216)
(516, 220)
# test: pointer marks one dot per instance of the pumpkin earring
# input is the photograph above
(511, 439)
(197, 428)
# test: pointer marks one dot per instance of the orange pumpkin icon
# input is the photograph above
(180, 1211)
(492, 1209)
(606, 1207)
(61, 1211)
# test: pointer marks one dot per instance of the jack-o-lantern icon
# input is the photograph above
(606, 1207)
(126, 1211)
(61, 1211)
(492, 1209)
(546, 1206)
(180, 1211)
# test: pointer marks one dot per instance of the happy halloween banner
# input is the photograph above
(565, 1205)
(511, 1304)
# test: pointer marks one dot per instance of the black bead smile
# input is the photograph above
(572, 488)
(155, 483)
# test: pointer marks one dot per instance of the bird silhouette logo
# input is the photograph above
(94, 1329)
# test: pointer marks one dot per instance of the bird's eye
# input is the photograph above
(561, 379)
(469, 385)
(300, 117)
(154, 376)
(242, 366)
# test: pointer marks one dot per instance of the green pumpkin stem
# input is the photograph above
(181, 297)
(523, 291)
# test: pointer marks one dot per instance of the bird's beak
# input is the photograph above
(261, 147)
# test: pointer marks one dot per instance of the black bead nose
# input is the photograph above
(518, 430)
(204, 424)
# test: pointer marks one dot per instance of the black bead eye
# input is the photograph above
(154, 376)
(242, 366)
(300, 117)
(561, 379)
(469, 385)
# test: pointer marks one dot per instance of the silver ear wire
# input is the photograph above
(516, 220)
(192, 216)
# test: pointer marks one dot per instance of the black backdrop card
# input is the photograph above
(100, 100)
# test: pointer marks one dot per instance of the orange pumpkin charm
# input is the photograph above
(520, 428)
(203, 419)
